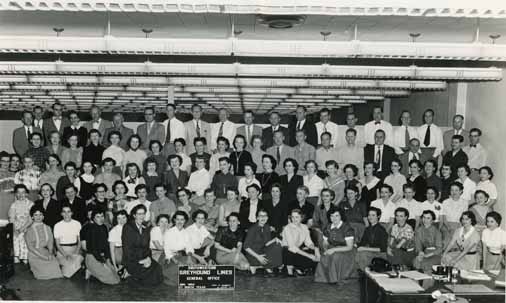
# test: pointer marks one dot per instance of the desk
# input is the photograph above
(372, 292)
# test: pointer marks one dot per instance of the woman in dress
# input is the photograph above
(374, 240)
(277, 207)
(186, 162)
(263, 249)
(396, 180)
(115, 244)
(335, 181)
(68, 179)
(19, 216)
(51, 208)
(428, 242)
(299, 253)
(136, 252)
(446, 181)
(108, 177)
(175, 177)
(432, 204)
(98, 255)
(115, 152)
(493, 242)
(232, 205)
(240, 157)
(135, 154)
(462, 251)
(39, 241)
(355, 212)
(6, 185)
(351, 177)
(222, 146)
(453, 208)
(463, 171)
(158, 236)
(432, 180)
(54, 145)
(53, 173)
(401, 246)
(68, 242)
(416, 179)
(74, 153)
(228, 243)
(120, 198)
(29, 176)
(268, 177)
(132, 179)
(313, 182)
(248, 179)
(480, 210)
(155, 153)
(184, 204)
(485, 184)
(86, 180)
(337, 261)
(291, 181)
(321, 215)
(94, 151)
(152, 177)
(370, 184)
(257, 152)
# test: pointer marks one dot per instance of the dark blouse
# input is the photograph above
(434, 181)
(93, 153)
(60, 185)
(52, 213)
(355, 213)
(172, 182)
(207, 158)
(278, 215)
(87, 189)
(266, 182)
(368, 195)
(289, 188)
(97, 242)
(336, 236)
(238, 160)
(375, 236)
(257, 237)
(445, 188)
(320, 217)
(228, 238)
(420, 186)
(307, 210)
(353, 182)
(151, 182)
(81, 133)
(221, 182)
(135, 244)
(161, 163)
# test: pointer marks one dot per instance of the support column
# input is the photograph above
(386, 109)
(457, 100)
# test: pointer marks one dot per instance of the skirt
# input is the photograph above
(359, 229)
(69, 266)
(447, 232)
(104, 272)
(363, 258)
(44, 269)
(118, 255)
(297, 260)
(236, 259)
(273, 253)
(402, 257)
(426, 263)
(145, 276)
(467, 262)
(335, 267)
(492, 262)
(157, 255)
(171, 270)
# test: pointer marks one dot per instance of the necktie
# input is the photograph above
(198, 129)
(298, 126)
(28, 133)
(278, 154)
(220, 132)
(406, 137)
(247, 134)
(426, 140)
(376, 122)
(324, 128)
(378, 158)
(415, 156)
(149, 129)
(167, 138)
(473, 145)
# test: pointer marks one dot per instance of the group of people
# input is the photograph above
(295, 201)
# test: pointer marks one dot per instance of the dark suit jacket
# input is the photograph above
(267, 134)
(404, 158)
(48, 126)
(257, 130)
(125, 134)
(386, 159)
(104, 124)
(79, 211)
(20, 142)
(289, 189)
(244, 212)
(172, 182)
(81, 132)
(309, 128)
(455, 161)
(447, 138)
(157, 133)
(286, 152)
(52, 213)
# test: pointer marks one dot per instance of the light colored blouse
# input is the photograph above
(315, 185)
(138, 156)
(244, 183)
(176, 240)
(396, 181)
(115, 152)
(295, 235)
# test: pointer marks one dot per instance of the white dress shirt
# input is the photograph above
(176, 240)
(387, 211)
(436, 138)
(371, 127)
(400, 137)
(57, 122)
(96, 124)
(452, 209)
(38, 123)
(197, 235)
(469, 189)
(229, 131)
(252, 216)
(494, 239)
(28, 129)
(315, 185)
(380, 149)
(177, 129)
(199, 181)
(477, 156)
(330, 127)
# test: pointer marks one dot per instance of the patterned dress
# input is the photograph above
(30, 178)
(406, 253)
(19, 216)
(6, 195)
(40, 238)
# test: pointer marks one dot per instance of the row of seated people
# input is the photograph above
(334, 241)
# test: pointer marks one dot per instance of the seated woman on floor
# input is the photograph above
(401, 246)
(68, 242)
(158, 235)
(336, 264)
(98, 256)
(177, 246)
(374, 241)
(462, 251)
(39, 241)
(115, 244)
(201, 239)
(493, 241)
(429, 243)
(262, 247)
(136, 253)
(299, 252)
(229, 242)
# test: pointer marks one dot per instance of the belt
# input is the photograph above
(494, 254)
(72, 244)
(118, 246)
(471, 253)
(407, 249)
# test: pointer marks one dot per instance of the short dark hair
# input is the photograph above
(70, 164)
(252, 165)
(458, 184)
(496, 216)
(477, 130)
(255, 186)
(351, 130)
(114, 133)
(161, 216)
(180, 140)
(35, 209)
(129, 141)
(200, 139)
(324, 110)
(470, 215)
(198, 212)
(294, 163)
(489, 170)
(403, 210)
(353, 167)
(466, 168)
(331, 162)
(430, 212)
(226, 159)
(374, 209)
(94, 131)
(119, 182)
(458, 137)
(154, 142)
(109, 159)
(100, 185)
(272, 159)
(390, 189)
(136, 209)
(139, 187)
(334, 210)
(179, 213)
(434, 189)
(174, 156)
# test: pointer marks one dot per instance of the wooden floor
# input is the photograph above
(257, 288)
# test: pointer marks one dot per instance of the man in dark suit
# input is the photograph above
(75, 129)
(458, 122)
(248, 130)
(96, 121)
(456, 157)
(414, 153)
(56, 123)
(21, 135)
(151, 130)
(125, 132)
(302, 124)
(380, 154)
(268, 132)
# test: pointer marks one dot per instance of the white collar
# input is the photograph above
(338, 225)
(98, 121)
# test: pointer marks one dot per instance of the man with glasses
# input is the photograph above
(151, 130)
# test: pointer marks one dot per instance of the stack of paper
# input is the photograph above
(415, 275)
(396, 285)
(474, 275)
